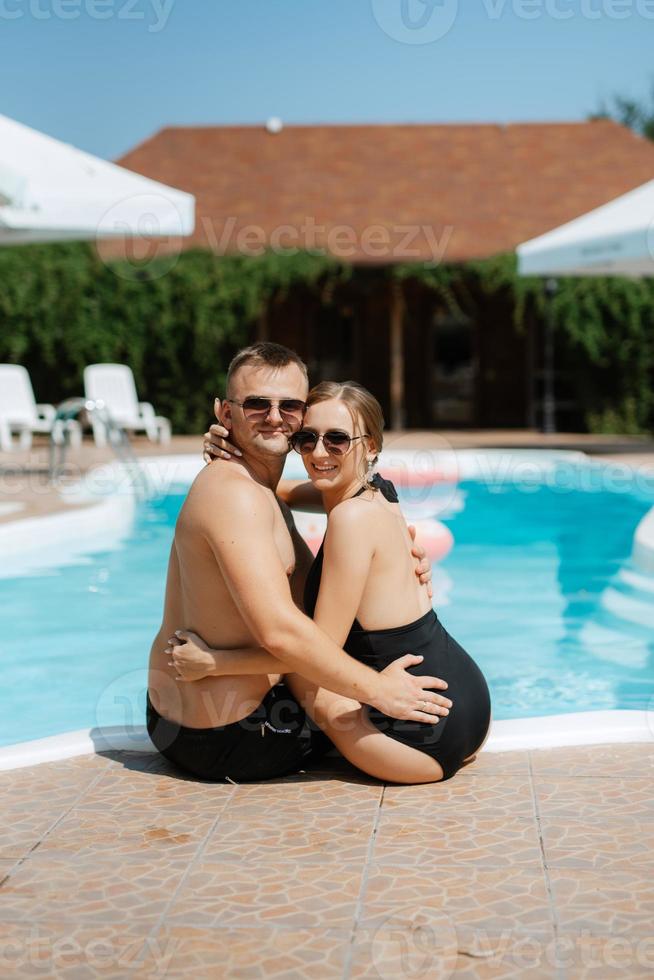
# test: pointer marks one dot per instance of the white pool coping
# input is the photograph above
(62, 537)
(514, 735)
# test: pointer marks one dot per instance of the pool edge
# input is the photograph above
(511, 735)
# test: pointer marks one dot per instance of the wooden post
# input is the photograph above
(530, 374)
(549, 396)
(397, 357)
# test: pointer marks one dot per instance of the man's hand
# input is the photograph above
(409, 698)
(191, 656)
(216, 444)
(423, 568)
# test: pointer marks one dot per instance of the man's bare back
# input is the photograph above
(198, 598)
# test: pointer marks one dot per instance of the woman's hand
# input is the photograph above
(423, 568)
(216, 444)
(191, 656)
(408, 697)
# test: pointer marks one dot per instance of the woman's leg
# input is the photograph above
(347, 725)
(471, 758)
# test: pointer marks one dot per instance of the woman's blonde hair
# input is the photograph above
(362, 406)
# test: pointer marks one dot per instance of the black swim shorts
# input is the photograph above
(275, 740)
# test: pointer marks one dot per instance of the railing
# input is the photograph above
(117, 438)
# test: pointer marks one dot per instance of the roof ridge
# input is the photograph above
(261, 126)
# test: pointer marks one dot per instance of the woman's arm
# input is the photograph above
(349, 548)
(301, 495)
(194, 659)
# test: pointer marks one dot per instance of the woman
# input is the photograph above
(362, 591)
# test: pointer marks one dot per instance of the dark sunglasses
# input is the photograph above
(258, 407)
(334, 441)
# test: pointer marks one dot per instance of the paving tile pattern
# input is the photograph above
(527, 864)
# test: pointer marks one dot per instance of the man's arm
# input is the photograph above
(194, 659)
(303, 556)
(347, 561)
(238, 523)
(303, 562)
(301, 495)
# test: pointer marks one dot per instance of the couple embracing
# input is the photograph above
(288, 654)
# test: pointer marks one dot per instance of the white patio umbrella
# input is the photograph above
(51, 191)
(616, 239)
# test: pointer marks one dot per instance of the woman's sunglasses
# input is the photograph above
(334, 441)
(256, 407)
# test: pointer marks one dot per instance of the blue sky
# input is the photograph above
(105, 74)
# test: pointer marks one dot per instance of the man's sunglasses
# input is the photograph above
(334, 441)
(255, 407)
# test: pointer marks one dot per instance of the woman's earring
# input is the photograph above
(371, 471)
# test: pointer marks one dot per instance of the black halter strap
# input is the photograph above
(386, 488)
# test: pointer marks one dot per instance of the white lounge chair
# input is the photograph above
(113, 385)
(21, 415)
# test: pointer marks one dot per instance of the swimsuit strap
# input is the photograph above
(387, 489)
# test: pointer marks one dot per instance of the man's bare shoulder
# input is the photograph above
(224, 490)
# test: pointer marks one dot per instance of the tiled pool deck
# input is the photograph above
(526, 864)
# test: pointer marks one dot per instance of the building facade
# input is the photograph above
(381, 196)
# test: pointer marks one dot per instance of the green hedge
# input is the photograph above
(177, 323)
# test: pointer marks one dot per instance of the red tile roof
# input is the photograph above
(402, 192)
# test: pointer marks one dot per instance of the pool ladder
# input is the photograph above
(67, 413)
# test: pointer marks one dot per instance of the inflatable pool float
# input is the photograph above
(435, 537)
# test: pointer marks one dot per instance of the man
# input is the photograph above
(237, 562)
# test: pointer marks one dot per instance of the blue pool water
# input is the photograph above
(538, 588)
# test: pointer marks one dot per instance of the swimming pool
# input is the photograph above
(539, 588)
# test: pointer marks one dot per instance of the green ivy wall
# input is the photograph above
(177, 323)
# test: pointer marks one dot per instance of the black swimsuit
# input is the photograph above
(275, 740)
(457, 735)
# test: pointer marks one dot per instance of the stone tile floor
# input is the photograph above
(526, 864)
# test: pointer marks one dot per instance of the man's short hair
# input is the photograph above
(265, 354)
